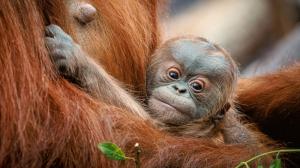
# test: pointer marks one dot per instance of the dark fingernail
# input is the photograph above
(48, 33)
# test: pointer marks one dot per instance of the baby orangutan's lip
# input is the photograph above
(166, 103)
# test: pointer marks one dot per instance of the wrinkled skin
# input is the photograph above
(189, 78)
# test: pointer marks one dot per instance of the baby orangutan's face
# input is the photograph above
(189, 78)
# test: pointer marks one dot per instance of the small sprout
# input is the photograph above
(276, 162)
(112, 151)
(259, 164)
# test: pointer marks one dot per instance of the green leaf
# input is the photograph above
(276, 163)
(259, 164)
(112, 151)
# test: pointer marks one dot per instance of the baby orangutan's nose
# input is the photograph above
(179, 89)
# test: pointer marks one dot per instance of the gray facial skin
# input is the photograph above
(176, 101)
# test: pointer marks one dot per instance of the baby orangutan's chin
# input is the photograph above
(166, 113)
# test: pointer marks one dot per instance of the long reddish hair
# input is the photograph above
(47, 122)
(41, 115)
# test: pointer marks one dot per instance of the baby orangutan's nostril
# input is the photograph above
(183, 90)
(175, 87)
(179, 90)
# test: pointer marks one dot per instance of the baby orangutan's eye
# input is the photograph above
(197, 85)
(173, 73)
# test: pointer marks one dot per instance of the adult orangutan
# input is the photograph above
(47, 122)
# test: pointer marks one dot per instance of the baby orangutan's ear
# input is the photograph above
(225, 108)
(220, 114)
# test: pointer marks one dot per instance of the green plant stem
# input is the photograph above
(264, 154)
(245, 164)
(130, 158)
(137, 156)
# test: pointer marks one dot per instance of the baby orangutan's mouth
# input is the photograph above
(165, 104)
(167, 113)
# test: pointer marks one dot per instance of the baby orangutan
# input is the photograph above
(190, 85)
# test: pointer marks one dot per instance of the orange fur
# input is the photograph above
(47, 122)
(273, 102)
